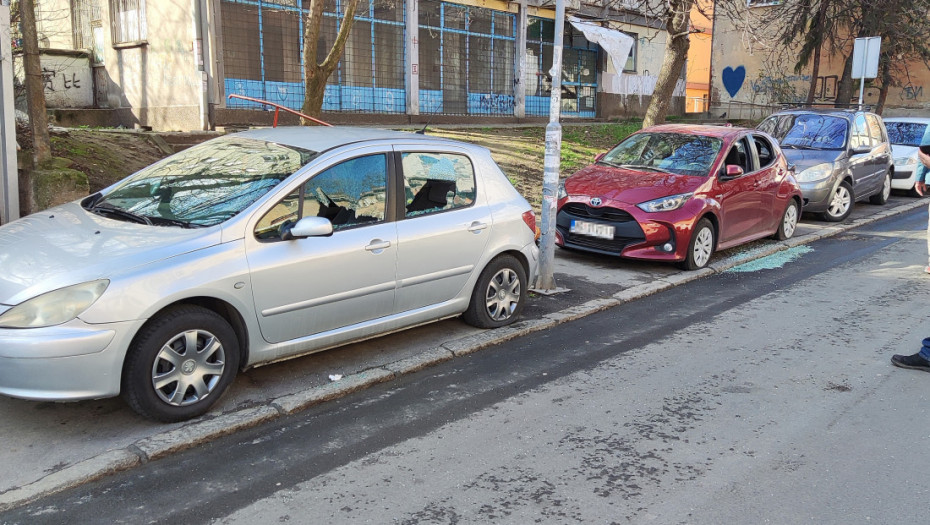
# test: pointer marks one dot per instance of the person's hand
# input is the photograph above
(920, 188)
(924, 158)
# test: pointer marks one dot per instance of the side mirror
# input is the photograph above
(308, 227)
(732, 171)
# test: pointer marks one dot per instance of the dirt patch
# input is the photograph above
(107, 156)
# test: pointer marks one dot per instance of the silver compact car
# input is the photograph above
(253, 248)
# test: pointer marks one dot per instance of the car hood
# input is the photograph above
(67, 245)
(806, 158)
(629, 186)
(901, 150)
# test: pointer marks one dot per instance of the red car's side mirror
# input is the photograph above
(734, 171)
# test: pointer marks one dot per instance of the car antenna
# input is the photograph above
(422, 130)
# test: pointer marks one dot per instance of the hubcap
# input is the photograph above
(703, 246)
(503, 294)
(790, 221)
(188, 367)
(840, 202)
(886, 189)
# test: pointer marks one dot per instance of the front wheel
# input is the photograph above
(841, 203)
(499, 294)
(701, 246)
(179, 364)
(882, 196)
(789, 221)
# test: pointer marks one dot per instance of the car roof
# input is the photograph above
(699, 129)
(919, 120)
(847, 113)
(323, 138)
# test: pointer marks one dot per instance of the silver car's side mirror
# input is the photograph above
(311, 227)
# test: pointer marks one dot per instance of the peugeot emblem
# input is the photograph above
(596, 201)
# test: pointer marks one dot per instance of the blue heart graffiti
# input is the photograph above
(733, 79)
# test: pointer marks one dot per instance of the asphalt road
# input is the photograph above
(760, 395)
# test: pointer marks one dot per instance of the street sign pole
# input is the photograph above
(546, 280)
(866, 52)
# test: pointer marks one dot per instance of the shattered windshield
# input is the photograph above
(906, 133)
(676, 153)
(810, 131)
(203, 185)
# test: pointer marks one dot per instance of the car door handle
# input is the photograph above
(476, 226)
(377, 245)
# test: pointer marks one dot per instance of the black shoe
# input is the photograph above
(911, 361)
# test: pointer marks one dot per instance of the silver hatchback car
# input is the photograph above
(252, 248)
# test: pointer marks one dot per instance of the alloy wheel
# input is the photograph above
(841, 201)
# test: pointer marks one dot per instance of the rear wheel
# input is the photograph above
(701, 246)
(499, 294)
(882, 196)
(841, 203)
(789, 221)
(179, 364)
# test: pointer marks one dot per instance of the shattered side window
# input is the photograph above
(436, 182)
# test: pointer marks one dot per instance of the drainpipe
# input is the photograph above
(198, 7)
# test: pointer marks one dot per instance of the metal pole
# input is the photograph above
(546, 280)
(9, 184)
(865, 58)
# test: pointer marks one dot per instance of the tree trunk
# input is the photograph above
(815, 69)
(845, 88)
(315, 75)
(815, 73)
(35, 86)
(885, 74)
(676, 52)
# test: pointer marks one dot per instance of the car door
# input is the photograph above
(881, 151)
(310, 285)
(445, 226)
(768, 178)
(738, 197)
(861, 166)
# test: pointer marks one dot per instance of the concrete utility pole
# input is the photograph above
(9, 183)
(546, 279)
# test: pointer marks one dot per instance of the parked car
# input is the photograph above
(678, 193)
(906, 135)
(252, 248)
(840, 156)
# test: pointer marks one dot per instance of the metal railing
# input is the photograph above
(278, 107)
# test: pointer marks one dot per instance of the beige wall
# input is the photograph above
(53, 24)
(769, 77)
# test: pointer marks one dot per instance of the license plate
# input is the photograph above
(603, 231)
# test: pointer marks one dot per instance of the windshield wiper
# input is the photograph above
(159, 221)
(109, 209)
(641, 167)
(605, 163)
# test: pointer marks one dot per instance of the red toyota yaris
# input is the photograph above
(678, 193)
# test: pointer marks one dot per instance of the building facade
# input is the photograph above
(171, 65)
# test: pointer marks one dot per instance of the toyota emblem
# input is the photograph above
(596, 201)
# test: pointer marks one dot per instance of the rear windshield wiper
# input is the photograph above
(109, 209)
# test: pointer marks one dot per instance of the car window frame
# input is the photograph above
(853, 133)
(399, 187)
(769, 143)
(749, 157)
(302, 179)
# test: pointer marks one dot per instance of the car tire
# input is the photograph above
(499, 294)
(882, 196)
(789, 221)
(161, 362)
(841, 203)
(701, 246)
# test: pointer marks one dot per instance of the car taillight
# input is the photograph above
(530, 219)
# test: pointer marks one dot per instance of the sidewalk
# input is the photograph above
(50, 447)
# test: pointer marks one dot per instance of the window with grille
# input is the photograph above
(88, 27)
(128, 19)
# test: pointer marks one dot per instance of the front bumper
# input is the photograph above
(816, 195)
(903, 178)
(637, 235)
(67, 362)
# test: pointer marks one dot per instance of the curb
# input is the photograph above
(176, 440)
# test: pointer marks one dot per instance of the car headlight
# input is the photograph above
(562, 193)
(55, 307)
(672, 202)
(905, 161)
(814, 173)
